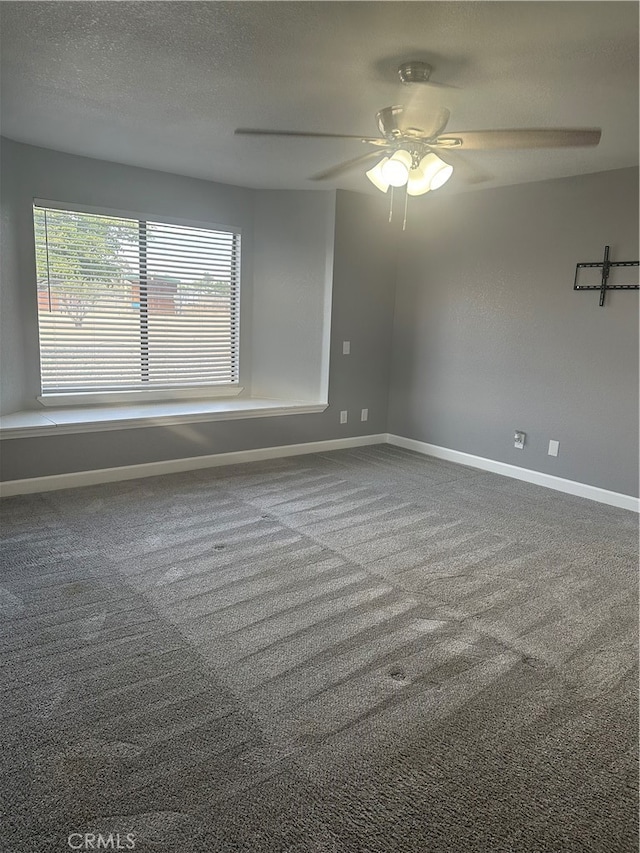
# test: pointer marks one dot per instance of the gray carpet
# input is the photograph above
(365, 650)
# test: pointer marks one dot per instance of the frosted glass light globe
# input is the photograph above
(396, 170)
(441, 176)
(435, 170)
(376, 177)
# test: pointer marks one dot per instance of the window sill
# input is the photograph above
(139, 396)
(101, 418)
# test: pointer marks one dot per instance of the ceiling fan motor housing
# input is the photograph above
(388, 121)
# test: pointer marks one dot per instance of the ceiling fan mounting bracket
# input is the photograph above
(415, 71)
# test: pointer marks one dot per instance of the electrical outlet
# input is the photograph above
(364, 415)
(518, 439)
(343, 417)
(346, 347)
(554, 447)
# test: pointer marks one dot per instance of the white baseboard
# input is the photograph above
(174, 466)
(571, 487)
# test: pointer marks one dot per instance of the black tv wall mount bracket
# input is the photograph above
(605, 264)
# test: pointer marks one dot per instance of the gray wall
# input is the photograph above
(488, 334)
(490, 337)
(13, 380)
(292, 231)
(362, 310)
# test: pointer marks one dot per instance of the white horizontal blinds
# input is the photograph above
(198, 340)
(128, 304)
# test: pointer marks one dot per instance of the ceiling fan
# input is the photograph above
(406, 156)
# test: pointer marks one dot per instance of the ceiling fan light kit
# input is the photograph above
(419, 173)
(428, 173)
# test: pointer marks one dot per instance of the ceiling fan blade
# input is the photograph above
(435, 85)
(252, 131)
(470, 140)
(334, 171)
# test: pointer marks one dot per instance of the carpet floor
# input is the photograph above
(365, 651)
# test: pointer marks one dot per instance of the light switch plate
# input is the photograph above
(554, 446)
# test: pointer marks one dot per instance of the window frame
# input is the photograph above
(156, 394)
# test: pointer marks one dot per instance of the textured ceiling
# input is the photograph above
(163, 85)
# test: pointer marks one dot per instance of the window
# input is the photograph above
(128, 304)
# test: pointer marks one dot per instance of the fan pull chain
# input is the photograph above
(391, 205)
(406, 201)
